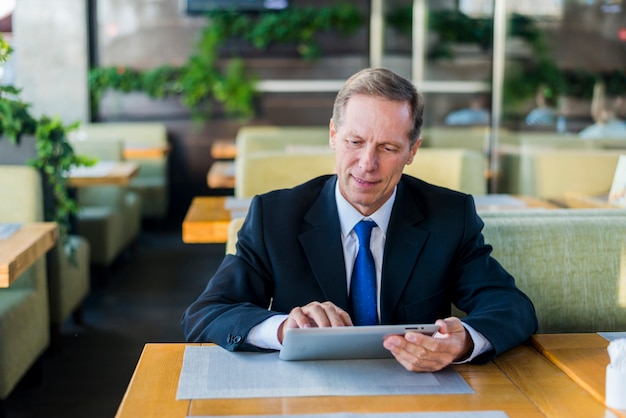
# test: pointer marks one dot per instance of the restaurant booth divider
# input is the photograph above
(568, 261)
(262, 171)
(32, 304)
(144, 143)
(109, 215)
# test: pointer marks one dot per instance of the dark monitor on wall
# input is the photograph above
(203, 6)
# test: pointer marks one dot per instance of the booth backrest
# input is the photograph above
(475, 138)
(545, 140)
(551, 173)
(110, 149)
(458, 169)
(152, 181)
(572, 267)
(21, 193)
(554, 140)
(233, 230)
(569, 262)
(133, 134)
(266, 138)
(262, 171)
(24, 314)
(102, 150)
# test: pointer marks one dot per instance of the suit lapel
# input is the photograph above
(403, 245)
(323, 248)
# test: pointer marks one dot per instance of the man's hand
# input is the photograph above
(422, 353)
(315, 314)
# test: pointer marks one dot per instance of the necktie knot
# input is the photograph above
(363, 232)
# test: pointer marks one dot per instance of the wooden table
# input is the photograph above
(19, 251)
(521, 382)
(583, 357)
(206, 221)
(224, 149)
(145, 153)
(116, 173)
(221, 175)
(207, 218)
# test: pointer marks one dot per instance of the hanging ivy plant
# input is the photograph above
(54, 154)
(294, 25)
(200, 81)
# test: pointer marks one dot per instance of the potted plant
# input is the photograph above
(204, 79)
(42, 143)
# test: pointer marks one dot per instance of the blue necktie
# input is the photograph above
(363, 282)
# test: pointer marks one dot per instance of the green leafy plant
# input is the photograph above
(294, 25)
(54, 154)
(201, 81)
(523, 78)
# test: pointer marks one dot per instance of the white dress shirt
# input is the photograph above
(265, 335)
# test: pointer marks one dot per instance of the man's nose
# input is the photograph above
(369, 159)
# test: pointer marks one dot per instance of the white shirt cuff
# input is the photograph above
(481, 344)
(265, 334)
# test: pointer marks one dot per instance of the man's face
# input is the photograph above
(372, 148)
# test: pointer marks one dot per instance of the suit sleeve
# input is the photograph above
(494, 305)
(238, 296)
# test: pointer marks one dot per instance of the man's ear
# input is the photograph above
(413, 150)
(332, 133)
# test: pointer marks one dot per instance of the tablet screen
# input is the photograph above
(338, 343)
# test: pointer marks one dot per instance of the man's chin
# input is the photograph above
(363, 202)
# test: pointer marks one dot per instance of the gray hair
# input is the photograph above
(383, 83)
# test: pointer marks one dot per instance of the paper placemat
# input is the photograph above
(454, 414)
(211, 372)
(612, 335)
(237, 203)
(238, 206)
(6, 230)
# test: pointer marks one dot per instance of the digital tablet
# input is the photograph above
(338, 343)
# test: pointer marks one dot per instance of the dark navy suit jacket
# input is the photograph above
(289, 253)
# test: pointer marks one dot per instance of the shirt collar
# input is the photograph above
(349, 216)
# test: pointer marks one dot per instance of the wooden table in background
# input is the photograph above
(583, 357)
(224, 149)
(206, 221)
(145, 153)
(120, 174)
(19, 251)
(520, 382)
(207, 218)
(221, 175)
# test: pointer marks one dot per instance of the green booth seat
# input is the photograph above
(110, 215)
(44, 295)
(152, 182)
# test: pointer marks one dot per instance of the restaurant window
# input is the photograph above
(556, 56)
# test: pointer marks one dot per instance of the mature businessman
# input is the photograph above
(297, 248)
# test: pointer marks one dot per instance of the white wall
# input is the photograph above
(50, 40)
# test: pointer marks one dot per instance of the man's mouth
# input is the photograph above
(362, 182)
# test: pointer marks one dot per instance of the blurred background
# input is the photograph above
(109, 60)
